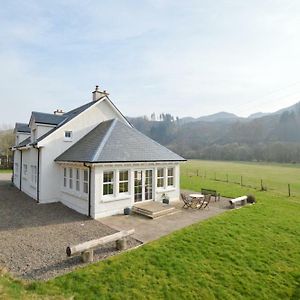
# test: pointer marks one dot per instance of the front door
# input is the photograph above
(143, 185)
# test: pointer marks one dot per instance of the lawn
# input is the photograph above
(275, 177)
(249, 253)
(5, 171)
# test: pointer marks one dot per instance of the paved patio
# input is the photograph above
(147, 229)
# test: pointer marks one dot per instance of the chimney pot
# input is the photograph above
(97, 94)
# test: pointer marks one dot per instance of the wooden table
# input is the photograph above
(197, 199)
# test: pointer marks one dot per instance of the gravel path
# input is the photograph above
(33, 237)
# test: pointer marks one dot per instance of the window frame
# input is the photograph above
(33, 179)
(112, 182)
(70, 177)
(171, 176)
(122, 182)
(25, 170)
(65, 177)
(160, 178)
(85, 181)
(77, 180)
(68, 138)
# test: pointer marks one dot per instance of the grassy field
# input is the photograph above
(275, 177)
(250, 253)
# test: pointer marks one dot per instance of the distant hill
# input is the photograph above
(258, 115)
(225, 136)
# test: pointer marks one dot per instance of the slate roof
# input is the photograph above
(22, 127)
(25, 142)
(114, 141)
(44, 118)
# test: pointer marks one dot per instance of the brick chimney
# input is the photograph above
(97, 94)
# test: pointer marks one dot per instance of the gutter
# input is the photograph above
(21, 163)
(38, 175)
(89, 194)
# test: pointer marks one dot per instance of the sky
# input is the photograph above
(187, 58)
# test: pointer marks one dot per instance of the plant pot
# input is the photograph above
(127, 211)
(166, 201)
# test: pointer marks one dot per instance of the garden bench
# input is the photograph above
(213, 193)
(86, 249)
(240, 200)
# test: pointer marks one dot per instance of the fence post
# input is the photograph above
(289, 189)
(204, 174)
(241, 180)
(261, 185)
(215, 175)
(197, 172)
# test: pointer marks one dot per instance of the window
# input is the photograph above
(16, 168)
(33, 175)
(108, 183)
(170, 176)
(123, 181)
(160, 177)
(85, 181)
(77, 180)
(65, 177)
(24, 170)
(70, 178)
(68, 135)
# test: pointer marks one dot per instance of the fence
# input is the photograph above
(260, 184)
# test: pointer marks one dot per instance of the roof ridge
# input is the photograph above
(107, 135)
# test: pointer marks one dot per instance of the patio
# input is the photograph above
(147, 229)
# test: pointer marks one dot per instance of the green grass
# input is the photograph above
(250, 253)
(5, 171)
(276, 177)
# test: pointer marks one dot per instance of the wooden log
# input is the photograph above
(77, 249)
(87, 256)
(121, 244)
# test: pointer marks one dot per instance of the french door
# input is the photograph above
(143, 185)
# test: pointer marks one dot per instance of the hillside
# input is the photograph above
(271, 137)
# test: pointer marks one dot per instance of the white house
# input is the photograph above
(92, 160)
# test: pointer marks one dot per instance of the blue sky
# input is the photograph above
(189, 58)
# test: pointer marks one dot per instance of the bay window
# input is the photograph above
(160, 177)
(123, 181)
(170, 177)
(85, 181)
(108, 183)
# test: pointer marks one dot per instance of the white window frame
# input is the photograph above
(16, 171)
(85, 179)
(77, 179)
(158, 178)
(70, 177)
(65, 177)
(171, 176)
(25, 170)
(124, 181)
(68, 138)
(33, 178)
(109, 183)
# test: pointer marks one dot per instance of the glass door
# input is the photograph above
(138, 186)
(148, 184)
(143, 185)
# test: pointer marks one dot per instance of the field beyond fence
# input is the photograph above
(282, 179)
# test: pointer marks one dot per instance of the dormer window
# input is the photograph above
(68, 136)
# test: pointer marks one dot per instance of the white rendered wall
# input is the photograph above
(115, 204)
(17, 160)
(54, 145)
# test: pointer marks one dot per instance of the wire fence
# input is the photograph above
(261, 184)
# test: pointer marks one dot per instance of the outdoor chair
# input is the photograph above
(187, 201)
(205, 201)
